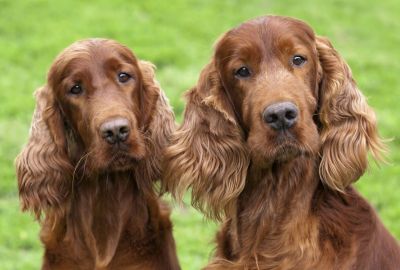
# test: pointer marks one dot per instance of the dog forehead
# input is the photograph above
(90, 57)
(100, 57)
(266, 35)
(97, 50)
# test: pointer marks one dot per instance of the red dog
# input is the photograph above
(274, 134)
(93, 155)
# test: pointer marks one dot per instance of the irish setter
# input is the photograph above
(273, 135)
(92, 159)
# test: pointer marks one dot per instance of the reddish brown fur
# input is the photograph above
(285, 197)
(99, 204)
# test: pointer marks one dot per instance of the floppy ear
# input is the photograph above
(43, 168)
(149, 93)
(159, 120)
(348, 124)
(207, 153)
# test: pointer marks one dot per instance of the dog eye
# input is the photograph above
(123, 77)
(243, 72)
(298, 60)
(76, 89)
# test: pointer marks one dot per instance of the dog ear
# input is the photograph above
(149, 93)
(348, 124)
(43, 167)
(207, 153)
(159, 121)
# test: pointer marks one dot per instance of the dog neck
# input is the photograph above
(103, 209)
(285, 212)
(276, 203)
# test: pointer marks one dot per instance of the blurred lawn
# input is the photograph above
(177, 36)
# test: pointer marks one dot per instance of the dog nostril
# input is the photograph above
(123, 133)
(270, 118)
(124, 130)
(290, 114)
(108, 133)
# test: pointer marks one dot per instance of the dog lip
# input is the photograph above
(286, 133)
(287, 151)
(286, 146)
(120, 155)
(120, 147)
(285, 137)
(123, 161)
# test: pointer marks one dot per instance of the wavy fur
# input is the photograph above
(98, 217)
(43, 167)
(349, 124)
(285, 195)
(207, 153)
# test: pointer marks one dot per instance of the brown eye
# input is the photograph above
(243, 72)
(76, 89)
(298, 60)
(124, 77)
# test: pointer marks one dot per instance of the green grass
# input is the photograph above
(177, 36)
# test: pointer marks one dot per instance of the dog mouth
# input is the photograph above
(121, 161)
(124, 156)
(287, 151)
(287, 146)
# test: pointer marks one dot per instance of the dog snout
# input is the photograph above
(115, 130)
(280, 116)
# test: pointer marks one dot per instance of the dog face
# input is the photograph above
(273, 92)
(97, 87)
(270, 70)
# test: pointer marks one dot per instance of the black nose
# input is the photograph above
(280, 116)
(115, 130)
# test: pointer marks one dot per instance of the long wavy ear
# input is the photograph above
(207, 153)
(149, 94)
(43, 168)
(348, 124)
(158, 117)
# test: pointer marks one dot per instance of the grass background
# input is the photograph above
(177, 36)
